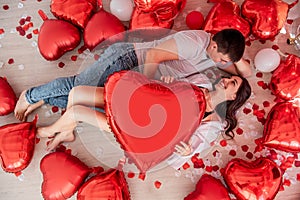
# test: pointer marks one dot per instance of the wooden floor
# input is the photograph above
(24, 67)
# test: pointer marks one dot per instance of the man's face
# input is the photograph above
(218, 57)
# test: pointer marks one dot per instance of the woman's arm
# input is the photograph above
(165, 51)
(86, 96)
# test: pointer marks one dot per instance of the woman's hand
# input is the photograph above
(167, 79)
(183, 149)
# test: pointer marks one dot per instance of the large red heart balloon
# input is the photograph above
(259, 179)
(78, 12)
(149, 118)
(63, 174)
(107, 185)
(285, 80)
(57, 37)
(148, 26)
(103, 26)
(282, 128)
(266, 17)
(8, 97)
(17, 145)
(226, 14)
(209, 188)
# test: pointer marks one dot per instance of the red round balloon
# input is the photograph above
(107, 185)
(8, 97)
(266, 17)
(17, 145)
(56, 37)
(194, 20)
(285, 80)
(226, 14)
(77, 12)
(259, 179)
(149, 118)
(282, 128)
(208, 188)
(63, 174)
(102, 27)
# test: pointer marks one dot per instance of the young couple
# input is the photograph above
(178, 56)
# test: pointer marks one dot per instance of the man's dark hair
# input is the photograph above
(230, 42)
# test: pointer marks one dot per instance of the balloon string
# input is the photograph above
(281, 53)
(293, 4)
(43, 15)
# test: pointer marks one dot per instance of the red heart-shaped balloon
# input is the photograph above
(57, 37)
(226, 14)
(108, 185)
(17, 145)
(167, 7)
(148, 26)
(149, 118)
(8, 97)
(63, 174)
(78, 12)
(266, 17)
(208, 188)
(282, 128)
(102, 27)
(285, 80)
(259, 179)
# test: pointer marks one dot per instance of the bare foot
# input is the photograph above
(67, 136)
(23, 108)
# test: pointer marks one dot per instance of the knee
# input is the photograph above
(72, 93)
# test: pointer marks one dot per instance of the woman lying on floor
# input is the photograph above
(229, 94)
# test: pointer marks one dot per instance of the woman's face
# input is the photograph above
(229, 86)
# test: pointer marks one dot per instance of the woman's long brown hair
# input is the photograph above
(227, 109)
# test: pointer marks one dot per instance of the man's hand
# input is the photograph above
(167, 79)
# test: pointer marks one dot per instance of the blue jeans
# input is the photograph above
(117, 57)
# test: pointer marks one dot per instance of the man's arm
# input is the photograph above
(162, 52)
(241, 67)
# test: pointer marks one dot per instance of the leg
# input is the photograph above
(62, 129)
(87, 96)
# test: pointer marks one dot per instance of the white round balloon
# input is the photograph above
(122, 9)
(266, 60)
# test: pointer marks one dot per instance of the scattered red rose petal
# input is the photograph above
(287, 182)
(262, 41)
(275, 47)
(289, 21)
(185, 166)
(215, 168)
(255, 107)
(298, 177)
(130, 175)
(1, 31)
(249, 155)
(61, 64)
(28, 19)
(247, 111)
(199, 164)
(22, 21)
(142, 176)
(5, 7)
(157, 184)
(232, 152)
(81, 49)
(223, 143)
(239, 131)
(248, 43)
(215, 153)
(297, 163)
(266, 104)
(29, 36)
(208, 168)
(35, 31)
(54, 109)
(17, 174)
(37, 140)
(10, 61)
(96, 56)
(74, 58)
(245, 148)
(259, 74)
